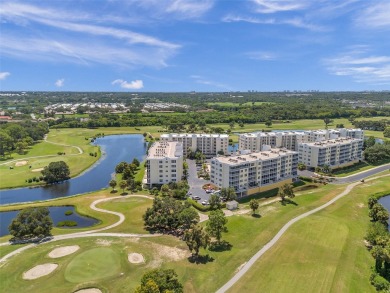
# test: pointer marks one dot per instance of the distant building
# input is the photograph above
(209, 144)
(5, 118)
(339, 152)
(254, 172)
(164, 163)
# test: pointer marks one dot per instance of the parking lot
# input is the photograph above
(196, 183)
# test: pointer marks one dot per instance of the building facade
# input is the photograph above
(254, 172)
(335, 153)
(209, 144)
(164, 163)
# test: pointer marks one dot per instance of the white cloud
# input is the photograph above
(261, 55)
(4, 75)
(78, 39)
(60, 82)
(135, 84)
(375, 16)
(272, 6)
(296, 22)
(360, 66)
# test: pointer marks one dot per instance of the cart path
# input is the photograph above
(89, 233)
(273, 241)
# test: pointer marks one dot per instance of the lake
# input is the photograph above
(115, 149)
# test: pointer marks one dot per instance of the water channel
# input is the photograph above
(115, 149)
(385, 201)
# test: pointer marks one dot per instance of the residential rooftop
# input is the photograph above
(165, 149)
(252, 157)
(331, 142)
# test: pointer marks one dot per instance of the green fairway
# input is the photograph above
(322, 253)
(92, 265)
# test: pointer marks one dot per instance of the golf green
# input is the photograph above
(93, 264)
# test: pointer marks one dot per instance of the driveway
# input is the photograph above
(196, 183)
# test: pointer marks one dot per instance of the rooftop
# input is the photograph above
(165, 149)
(252, 157)
(330, 142)
(194, 134)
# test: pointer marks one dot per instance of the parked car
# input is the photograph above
(205, 202)
(196, 198)
(189, 193)
(209, 190)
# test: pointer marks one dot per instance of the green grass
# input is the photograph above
(356, 168)
(5, 249)
(93, 264)
(231, 104)
(322, 253)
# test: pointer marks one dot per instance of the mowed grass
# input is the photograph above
(324, 252)
(133, 208)
(93, 264)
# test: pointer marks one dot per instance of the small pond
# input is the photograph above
(56, 213)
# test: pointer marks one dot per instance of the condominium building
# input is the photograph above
(335, 153)
(209, 144)
(254, 172)
(291, 139)
(164, 163)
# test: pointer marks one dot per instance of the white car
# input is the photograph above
(205, 202)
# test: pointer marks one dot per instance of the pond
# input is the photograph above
(56, 213)
(115, 149)
(385, 201)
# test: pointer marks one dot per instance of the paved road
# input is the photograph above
(351, 178)
(270, 244)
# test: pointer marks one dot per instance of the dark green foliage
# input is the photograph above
(386, 132)
(68, 213)
(375, 230)
(380, 283)
(377, 153)
(229, 193)
(216, 224)
(196, 238)
(286, 190)
(254, 205)
(214, 202)
(379, 214)
(31, 223)
(56, 172)
(160, 280)
(168, 215)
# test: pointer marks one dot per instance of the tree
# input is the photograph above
(254, 205)
(301, 166)
(6, 143)
(136, 162)
(215, 202)
(31, 223)
(326, 169)
(286, 190)
(56, 172)
(188, 217)
(386, 132)
(120, 167)
(372, 200)
(160, 280)
(113, 184)
(164, 190)
(196, 238)
(268, 123)
(216, 224)
(369, 142)
(123, 185)
(327, 121)
(340, 125)
(229, 193)
(379, 214)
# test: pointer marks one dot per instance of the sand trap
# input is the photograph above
(21, 163)
(39, 271)
(89, 290)
(62, 251)
(37, 170)
(136, 258)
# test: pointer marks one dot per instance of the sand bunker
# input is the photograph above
(136, 258)
(89, 290)
(21, 163)
(63, 251)
(37, 170)
(39, 271)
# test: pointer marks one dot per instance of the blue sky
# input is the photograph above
(201, 45)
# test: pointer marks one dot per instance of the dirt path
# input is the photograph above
(273, 241)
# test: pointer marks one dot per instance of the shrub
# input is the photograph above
(68, 212)
(380, 283)
(30, 180)
(198, 206)
(67, 224)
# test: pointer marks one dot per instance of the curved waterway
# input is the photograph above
(115, 149)
(385, 201)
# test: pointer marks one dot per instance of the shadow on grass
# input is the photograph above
(200, 259)
(288, 201)
(256, 215)
(124, 193)
(114, 191)
(219, 247)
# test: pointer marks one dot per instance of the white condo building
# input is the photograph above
(164, 163)
(254, 172)
(209, 144)
(335, 153)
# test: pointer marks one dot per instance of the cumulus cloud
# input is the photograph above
(361, 66)
(60, 82)
(134, 85)
(4, 75)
